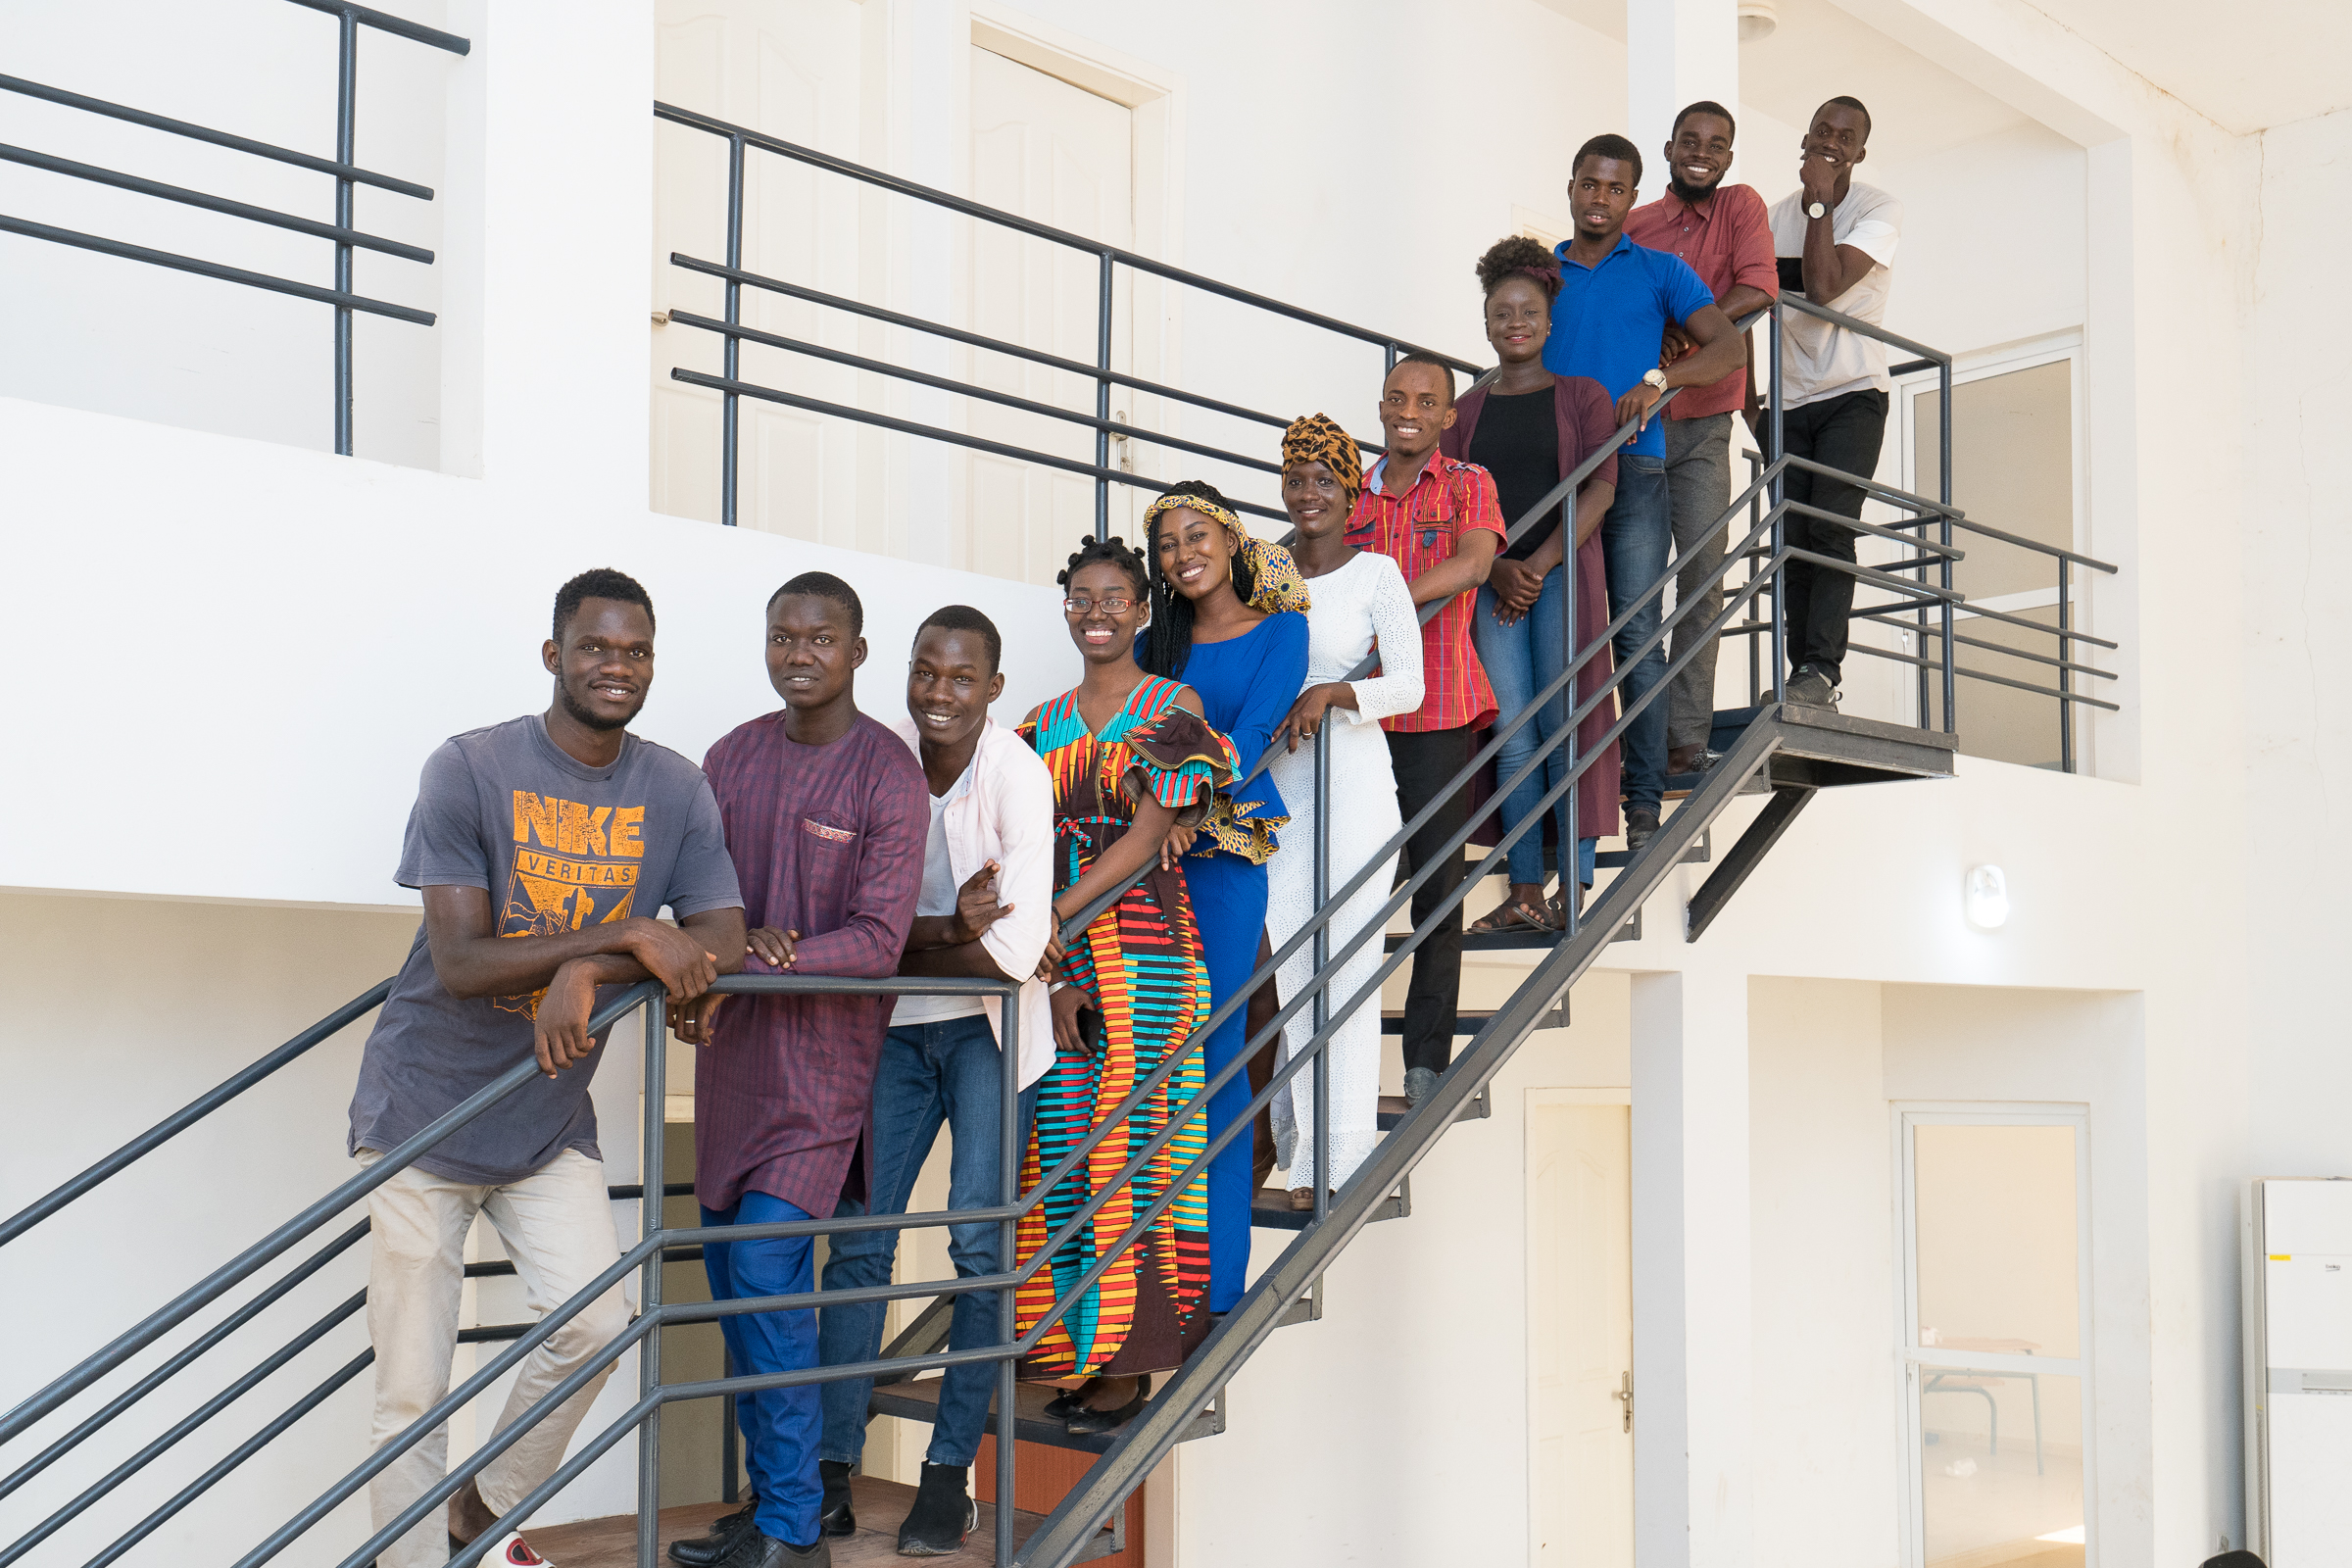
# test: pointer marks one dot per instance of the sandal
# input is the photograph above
(1514, 918)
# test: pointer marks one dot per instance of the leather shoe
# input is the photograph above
(1088, 1422)
(727, 1533)
(1639, 823)
(1685, 761)
(834, 1515)
(1069, 1402)
(761, 1551)
(1303, 1200)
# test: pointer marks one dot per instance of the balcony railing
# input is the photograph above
(343, 165)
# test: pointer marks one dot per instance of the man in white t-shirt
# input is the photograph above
(1838, 236)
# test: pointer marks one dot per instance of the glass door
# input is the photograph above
(1994, 1336)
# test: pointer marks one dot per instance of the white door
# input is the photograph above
(1581, 1334)
(789, 69)
(1058, 155)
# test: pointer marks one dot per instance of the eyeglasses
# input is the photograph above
(1087, 606)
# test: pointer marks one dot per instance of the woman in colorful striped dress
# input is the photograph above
(1134, 770)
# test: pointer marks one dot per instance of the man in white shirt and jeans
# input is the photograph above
(1839, 235)
(985, 910)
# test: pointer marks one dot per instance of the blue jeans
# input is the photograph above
(1634, 538)
(779, 1425)
(929, 1074)
(1521, 661)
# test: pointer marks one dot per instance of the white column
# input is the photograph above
(547, 245)
(1694, 1423)
(1676, 52)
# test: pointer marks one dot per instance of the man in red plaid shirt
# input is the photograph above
(1440, 521)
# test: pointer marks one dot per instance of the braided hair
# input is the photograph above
(1168, 640)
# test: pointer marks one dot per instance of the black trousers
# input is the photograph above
(1844, 432)
(1425, 761)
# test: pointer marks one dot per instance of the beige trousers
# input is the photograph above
(557, 1224)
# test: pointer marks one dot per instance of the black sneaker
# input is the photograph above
(942, 1514)
(834, 1515)
(726, 1533)
(1811, 685)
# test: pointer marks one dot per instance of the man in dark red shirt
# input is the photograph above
(1726, 236)
(825, 812)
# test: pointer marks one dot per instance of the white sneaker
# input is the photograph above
(512, 1551)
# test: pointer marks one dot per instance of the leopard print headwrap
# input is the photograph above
(1318, 438)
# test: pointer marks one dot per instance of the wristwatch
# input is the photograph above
(1815, 210)
(1654, 379)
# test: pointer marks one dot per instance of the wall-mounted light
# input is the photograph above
(1988, 898)
(1758, 18)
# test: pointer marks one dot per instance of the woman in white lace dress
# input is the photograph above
(1360, 600)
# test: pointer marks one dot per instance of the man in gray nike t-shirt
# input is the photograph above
(545, 848)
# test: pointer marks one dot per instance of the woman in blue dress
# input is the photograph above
(1227, 619)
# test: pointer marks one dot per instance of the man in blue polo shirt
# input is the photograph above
(1615, 302)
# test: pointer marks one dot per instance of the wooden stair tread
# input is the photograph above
(881, 1505)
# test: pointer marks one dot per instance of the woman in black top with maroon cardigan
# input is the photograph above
(1529, 429)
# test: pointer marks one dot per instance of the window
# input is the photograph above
(1996, 1336)
(2016, 467)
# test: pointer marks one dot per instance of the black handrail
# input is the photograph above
(347, 174)
(194, 1111)
(732, 388)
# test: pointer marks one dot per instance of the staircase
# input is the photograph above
(1787, 752)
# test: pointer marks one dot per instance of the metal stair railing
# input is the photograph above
(1066, 1536)
(732, 388)
(347, 174)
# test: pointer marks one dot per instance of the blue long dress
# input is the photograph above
(1247, 684)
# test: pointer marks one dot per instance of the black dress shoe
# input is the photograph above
(1086, 1423)
(1069, 1402)
(1639, 823)
(943, 1515)
(834, 1515)
(726, 1533)
(758, 1551)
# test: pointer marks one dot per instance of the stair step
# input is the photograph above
(1466, 1022)
(918, 1401)
(1271, 1210)
(881, 1506)
(1518, 940)
(1393, 1108)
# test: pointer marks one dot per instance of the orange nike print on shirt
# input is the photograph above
(574, 865)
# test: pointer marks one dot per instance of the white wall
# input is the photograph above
(1827, 1465)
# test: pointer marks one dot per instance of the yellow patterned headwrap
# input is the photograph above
(1318, 438)
(1279, 585)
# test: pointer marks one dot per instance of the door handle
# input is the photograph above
(1625, 1396)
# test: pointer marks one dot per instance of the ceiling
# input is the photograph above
(1818, 51)
(2246, 68)
(2243, 67)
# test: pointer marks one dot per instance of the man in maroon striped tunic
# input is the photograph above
(825, 812)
